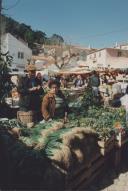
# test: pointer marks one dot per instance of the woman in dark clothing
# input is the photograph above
(30, 90)
(39, 78)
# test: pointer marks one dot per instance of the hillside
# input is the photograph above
(25, 32)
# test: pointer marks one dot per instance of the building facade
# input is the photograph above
(19, 50)
(108, 58)
(122, 46)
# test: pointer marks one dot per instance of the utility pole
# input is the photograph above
(0, 23)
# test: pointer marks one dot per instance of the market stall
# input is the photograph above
(71, 91)
(56, 155)
(73, 152)
(76, 71)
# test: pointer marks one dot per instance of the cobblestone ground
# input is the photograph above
(112, 181)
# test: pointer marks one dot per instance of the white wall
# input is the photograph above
(108, 58)
(122, 47)
(97, 59)
(14, 46)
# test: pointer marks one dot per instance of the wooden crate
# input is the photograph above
(73, 174)
(117, 159)
(106, 145)
(26, 117)
(86, 174)
(82, 176)
(93, 177)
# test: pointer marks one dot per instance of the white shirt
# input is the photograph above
(116, 88)
(124, 85)
(124, 101)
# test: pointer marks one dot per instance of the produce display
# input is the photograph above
(30, 158)
(102, 121)
(65, 145)
(6, 124)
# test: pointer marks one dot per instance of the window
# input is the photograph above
(99, 54)
(119, 53)
(15, 70)
(20, 55)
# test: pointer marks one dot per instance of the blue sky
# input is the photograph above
(100, 23)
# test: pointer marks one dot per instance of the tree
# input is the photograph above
(39, 37)
(5, 63)
(57, 39)
(29, 38)
(25, 32)
(64, 60)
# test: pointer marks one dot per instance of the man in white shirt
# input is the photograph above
(116, 88)
(124, 87)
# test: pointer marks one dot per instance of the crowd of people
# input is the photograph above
(33, 87)
(43, 95)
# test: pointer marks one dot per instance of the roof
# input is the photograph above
(107, 49)
(123, 44)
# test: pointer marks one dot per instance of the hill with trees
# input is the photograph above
(25, 32)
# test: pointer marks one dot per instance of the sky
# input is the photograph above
(95, 23)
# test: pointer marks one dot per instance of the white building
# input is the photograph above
(122, 46)
(108, 58)
(18, 49)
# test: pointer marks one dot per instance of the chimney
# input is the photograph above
(116, 44)
(89, 46)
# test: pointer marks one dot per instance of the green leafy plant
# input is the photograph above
(5, 63)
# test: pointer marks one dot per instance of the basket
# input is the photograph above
(25, 117)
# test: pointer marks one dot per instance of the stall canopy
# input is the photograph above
(76, 70)
(75, 67)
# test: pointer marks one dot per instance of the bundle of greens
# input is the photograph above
(69, 147)
(66, 145)
(6, 124)
(35, 136)
(11, 126)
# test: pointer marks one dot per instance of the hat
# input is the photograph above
(31, 67)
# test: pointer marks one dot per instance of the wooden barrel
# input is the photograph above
(25, 117)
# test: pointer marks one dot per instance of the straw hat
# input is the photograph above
(31, 67)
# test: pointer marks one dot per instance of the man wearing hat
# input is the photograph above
(30, 91)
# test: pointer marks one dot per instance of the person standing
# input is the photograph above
(116, 90)
(54, 104)
(124, 103)
(39, 78)
(30, 90)
(79, 82)
(94, 83)
(63, 82)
